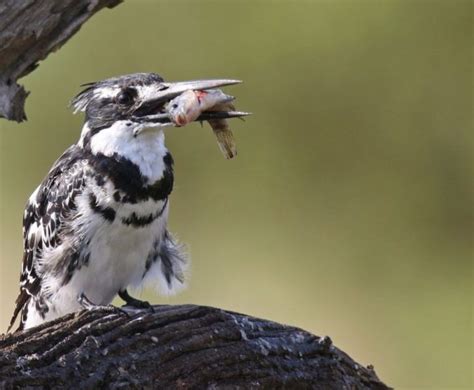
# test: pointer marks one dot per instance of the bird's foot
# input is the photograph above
(134, 303)
(88, 305)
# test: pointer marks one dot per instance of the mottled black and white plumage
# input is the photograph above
(97, 224)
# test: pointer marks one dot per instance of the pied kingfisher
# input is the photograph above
(97, 224)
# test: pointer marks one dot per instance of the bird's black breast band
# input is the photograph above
(138, 222)
(126, 177)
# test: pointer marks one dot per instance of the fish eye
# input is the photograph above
(127, 96)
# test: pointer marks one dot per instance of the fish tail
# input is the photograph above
(225, 138)
(226, 142)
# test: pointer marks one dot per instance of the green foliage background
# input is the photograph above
(348, 211)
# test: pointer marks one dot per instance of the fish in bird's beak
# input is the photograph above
(153, 111)
(177, 104)
(189, 106)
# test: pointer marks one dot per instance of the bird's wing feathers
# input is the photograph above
(47, 214)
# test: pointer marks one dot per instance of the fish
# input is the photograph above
(188, 106)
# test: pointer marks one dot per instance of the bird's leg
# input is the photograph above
(133, 302)
(87, 304)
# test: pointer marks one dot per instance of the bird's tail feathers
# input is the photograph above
(21, 302)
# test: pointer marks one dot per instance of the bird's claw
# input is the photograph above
(88, 305)
(134, 304)
(131, 310)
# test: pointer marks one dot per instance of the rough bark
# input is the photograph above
(175, 347)
(29, 31)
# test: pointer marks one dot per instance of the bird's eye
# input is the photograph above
(127, 96)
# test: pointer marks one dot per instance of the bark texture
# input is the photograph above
(175, 347)
(29, 31)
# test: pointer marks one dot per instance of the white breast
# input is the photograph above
(118, 252)
(117, 260)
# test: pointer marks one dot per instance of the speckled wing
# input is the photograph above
(46, 220)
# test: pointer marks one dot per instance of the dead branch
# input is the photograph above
(29, 31)
(175, 347)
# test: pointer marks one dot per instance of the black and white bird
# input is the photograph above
(97, 224)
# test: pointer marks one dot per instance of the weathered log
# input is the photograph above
(29, 31)
(184, 347)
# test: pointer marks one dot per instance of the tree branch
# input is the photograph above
(29, 31)
(175, 347)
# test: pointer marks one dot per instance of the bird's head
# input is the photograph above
(130, 106)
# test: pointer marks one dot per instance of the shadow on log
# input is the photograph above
(183, 347)
(29, 31)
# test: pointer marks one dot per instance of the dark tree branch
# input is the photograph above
(176, 347)
(29, 31)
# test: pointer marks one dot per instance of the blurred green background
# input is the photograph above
(348, 211)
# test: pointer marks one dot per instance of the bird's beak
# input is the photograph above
(171, 90)
(151, 111)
